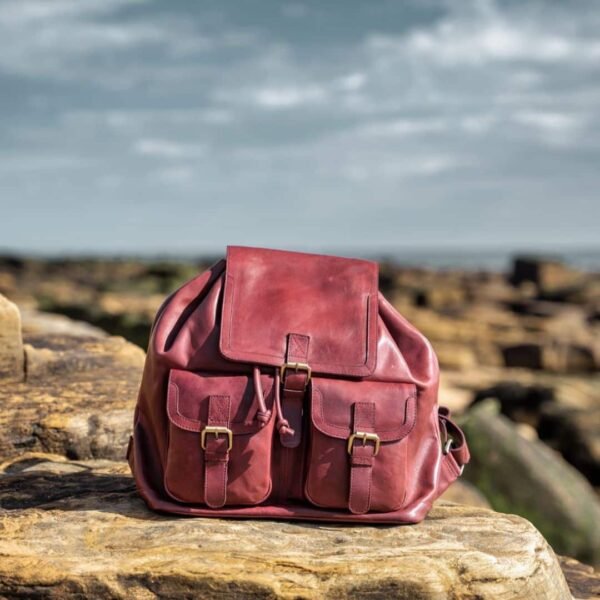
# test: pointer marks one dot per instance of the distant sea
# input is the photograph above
(444, 259)
(486, 260)
(449, 259)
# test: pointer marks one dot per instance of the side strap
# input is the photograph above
(361, 460)
(216, 452)
(453, 439)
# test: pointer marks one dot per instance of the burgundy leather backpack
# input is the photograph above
(284, 385)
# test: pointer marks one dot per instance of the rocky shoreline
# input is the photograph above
(520, 367)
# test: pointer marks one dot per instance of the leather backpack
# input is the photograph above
(284, 385)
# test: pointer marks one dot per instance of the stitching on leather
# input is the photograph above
(194, 424)
(366, 340)
(381, 431)
(231, 305)
(298, 346)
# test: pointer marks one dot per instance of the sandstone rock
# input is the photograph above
(520, 403)
(556, 356)
(583, 581)
(463, 492)
(575, 433)
(547, 274)
(69, 528)
(528, 478)
(35, 322)
(11, 342)
(455, 356)
(77, 400)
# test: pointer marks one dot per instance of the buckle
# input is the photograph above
(447, 445)
(365, 437)
(297, 366)
(216, 430)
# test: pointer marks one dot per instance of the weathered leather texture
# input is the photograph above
(220, 430)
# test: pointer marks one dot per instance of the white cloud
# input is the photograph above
(553, 127)
(352, 82)
(288, 96)
(404, 127)
(168, 149)
(474, 39)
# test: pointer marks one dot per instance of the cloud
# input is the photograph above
(288, 96)
(553, 127)
(484, 36)
(404, 127)
(459, 107)
(168, 149)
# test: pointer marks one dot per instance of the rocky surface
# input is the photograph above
(583, 581)
(79, 528)
(69, 388)
(119, 296)
(74, 395)
(11, 344)
(525, 476)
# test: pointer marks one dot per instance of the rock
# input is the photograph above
(520, 403)
(35, 322)
(555, 356)
(528, 356)
(455, 356)
(528, 478)
(583, 581)
(77, 399)
(79, 529)
(11, 342)
(547, 274)
(575, 433)
(463, 492)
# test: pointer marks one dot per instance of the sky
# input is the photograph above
(147, 127)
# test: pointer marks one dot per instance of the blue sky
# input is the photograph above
(147, 126)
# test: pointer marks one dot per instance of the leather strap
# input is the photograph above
(453, 439)
(216, 453)
(294, 388)
(361, 460)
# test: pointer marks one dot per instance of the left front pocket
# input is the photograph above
(218, 453)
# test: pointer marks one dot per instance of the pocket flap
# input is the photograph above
(333, 399)
(188, 394)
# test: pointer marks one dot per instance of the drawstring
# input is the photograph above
(263, 414)
(282, 424)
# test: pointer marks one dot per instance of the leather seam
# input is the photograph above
(193, 424)
(348, 430)
(231, 306)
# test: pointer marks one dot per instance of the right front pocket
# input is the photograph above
(213, 475)
(366, 472)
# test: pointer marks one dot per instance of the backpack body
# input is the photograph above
(284, 385)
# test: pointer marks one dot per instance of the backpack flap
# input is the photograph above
(278, 304)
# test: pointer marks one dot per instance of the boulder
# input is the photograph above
(575, 433)
(463, 492)
(546, 273)
(554, 356)
(72, 528)
(11, 342)
(528, 478)
(584, 581)
(77, 398)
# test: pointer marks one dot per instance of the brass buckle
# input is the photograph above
(365, 437)
(297, 366)
(216, 430)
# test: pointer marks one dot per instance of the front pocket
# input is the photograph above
(205, 407)
(368, 472)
